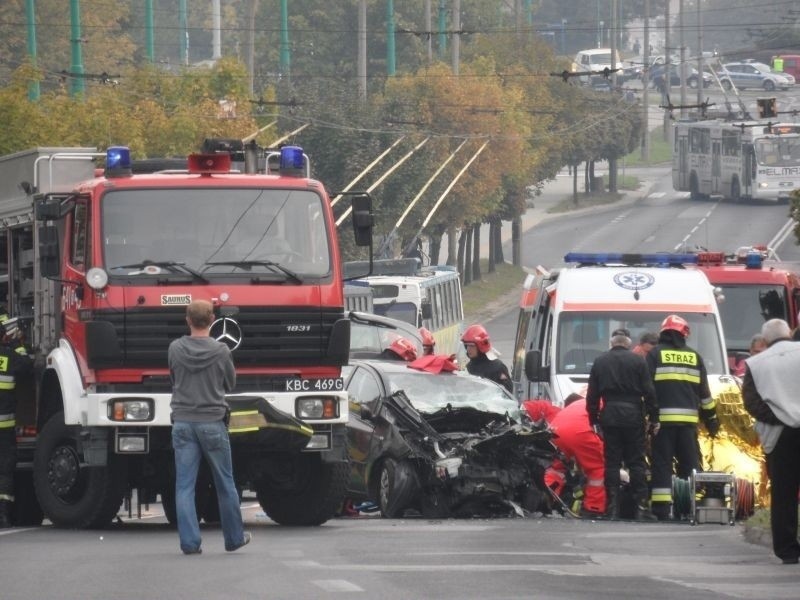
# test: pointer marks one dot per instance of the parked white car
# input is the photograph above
(595, 60)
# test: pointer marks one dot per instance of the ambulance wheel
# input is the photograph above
(71, 494)
(301, 489)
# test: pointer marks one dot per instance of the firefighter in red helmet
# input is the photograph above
(684, 398)
(400, 349)
(482, 360)
(428, 342)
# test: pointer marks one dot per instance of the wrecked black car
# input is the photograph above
(441, 445)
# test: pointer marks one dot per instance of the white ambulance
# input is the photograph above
(567, 316)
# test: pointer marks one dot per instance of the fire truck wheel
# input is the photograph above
(72, 495)
(397, 487)
(305, 491)
(26, 511)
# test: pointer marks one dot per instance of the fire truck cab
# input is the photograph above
(753, 287)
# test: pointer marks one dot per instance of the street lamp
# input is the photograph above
(600, 25)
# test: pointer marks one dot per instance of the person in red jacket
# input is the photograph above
(577, 440)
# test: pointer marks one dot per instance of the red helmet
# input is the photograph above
(676, 323)
(404, 349)
(427, 340)
(477, 334)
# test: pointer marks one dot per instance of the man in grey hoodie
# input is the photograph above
(202, 372)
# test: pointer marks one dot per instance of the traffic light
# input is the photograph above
(767, 108)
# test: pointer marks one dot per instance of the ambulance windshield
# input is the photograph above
(583, 336)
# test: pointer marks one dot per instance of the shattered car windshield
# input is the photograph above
(429, 393)
(239, 232)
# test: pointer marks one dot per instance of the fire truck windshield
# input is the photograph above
(583, 336)
(746, 308)
(215, 232)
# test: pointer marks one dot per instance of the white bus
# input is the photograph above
(740, 161)
(427, 297)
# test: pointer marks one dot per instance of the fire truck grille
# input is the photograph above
(274, 336)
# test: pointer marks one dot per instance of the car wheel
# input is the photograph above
(727, 85)
(692, 82)
(769, 85)
(397, 487)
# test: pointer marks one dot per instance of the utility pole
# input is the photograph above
(284, 63)
(390, 57)
(442, 28)
(683, 59)
(30, 17)
(668, 63)
(183, 24)
(699, 54)
(362, 49)
(251, 44)
(646, 84)
(77, 84)
(148, 28)
(429, 30)
(456, 35)
(216, 33)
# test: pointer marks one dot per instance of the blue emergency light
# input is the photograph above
(291, 160)
(118, 160)
(753, 260)
(660, 259)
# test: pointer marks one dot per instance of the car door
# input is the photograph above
(751, 77)
(363, 391)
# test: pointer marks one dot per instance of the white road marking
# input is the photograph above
(657, 195)
(336, 585)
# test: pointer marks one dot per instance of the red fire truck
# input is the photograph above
(99, 266)
(754, 288)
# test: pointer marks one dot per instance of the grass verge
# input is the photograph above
(478, 295)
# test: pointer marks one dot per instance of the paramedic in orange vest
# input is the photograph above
(576, 438)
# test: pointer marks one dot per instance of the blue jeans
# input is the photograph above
(191, 441)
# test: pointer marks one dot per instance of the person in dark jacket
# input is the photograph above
(14, 362)
(202, 372)
(684, 398)
(621, 379)
(769, 389)
(482, 361)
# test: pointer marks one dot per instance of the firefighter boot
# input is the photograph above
(612, 504)
(5, 514)
(643, 512)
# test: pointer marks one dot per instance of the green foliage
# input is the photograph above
(503, 96)
(794, 213)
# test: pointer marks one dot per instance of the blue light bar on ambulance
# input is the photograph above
(662, 259)
(118, 161)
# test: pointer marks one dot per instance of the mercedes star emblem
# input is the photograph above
(227, 331)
